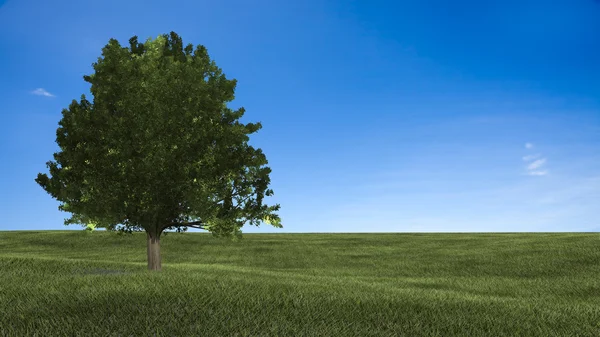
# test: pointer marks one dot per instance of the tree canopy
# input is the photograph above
(158, 148)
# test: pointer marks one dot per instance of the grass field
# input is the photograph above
(76, 283)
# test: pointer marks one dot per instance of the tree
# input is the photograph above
(158, 149)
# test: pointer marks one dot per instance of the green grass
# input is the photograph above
(73, 283)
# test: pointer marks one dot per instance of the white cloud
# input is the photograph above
(42, 92)
(531, 157)
(536, 164)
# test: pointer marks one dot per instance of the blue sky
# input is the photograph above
(378, 116)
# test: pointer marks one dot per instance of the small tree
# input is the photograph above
(158, 149)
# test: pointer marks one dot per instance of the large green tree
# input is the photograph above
(158, 148)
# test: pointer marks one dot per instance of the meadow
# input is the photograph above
(77, 283)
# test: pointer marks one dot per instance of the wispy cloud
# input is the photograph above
(42, 92)
(534, 168)
(536, 164)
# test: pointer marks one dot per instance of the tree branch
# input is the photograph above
(197, 227)
(192, 224)
(243, 201)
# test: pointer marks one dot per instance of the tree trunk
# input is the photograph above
(154, 252)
